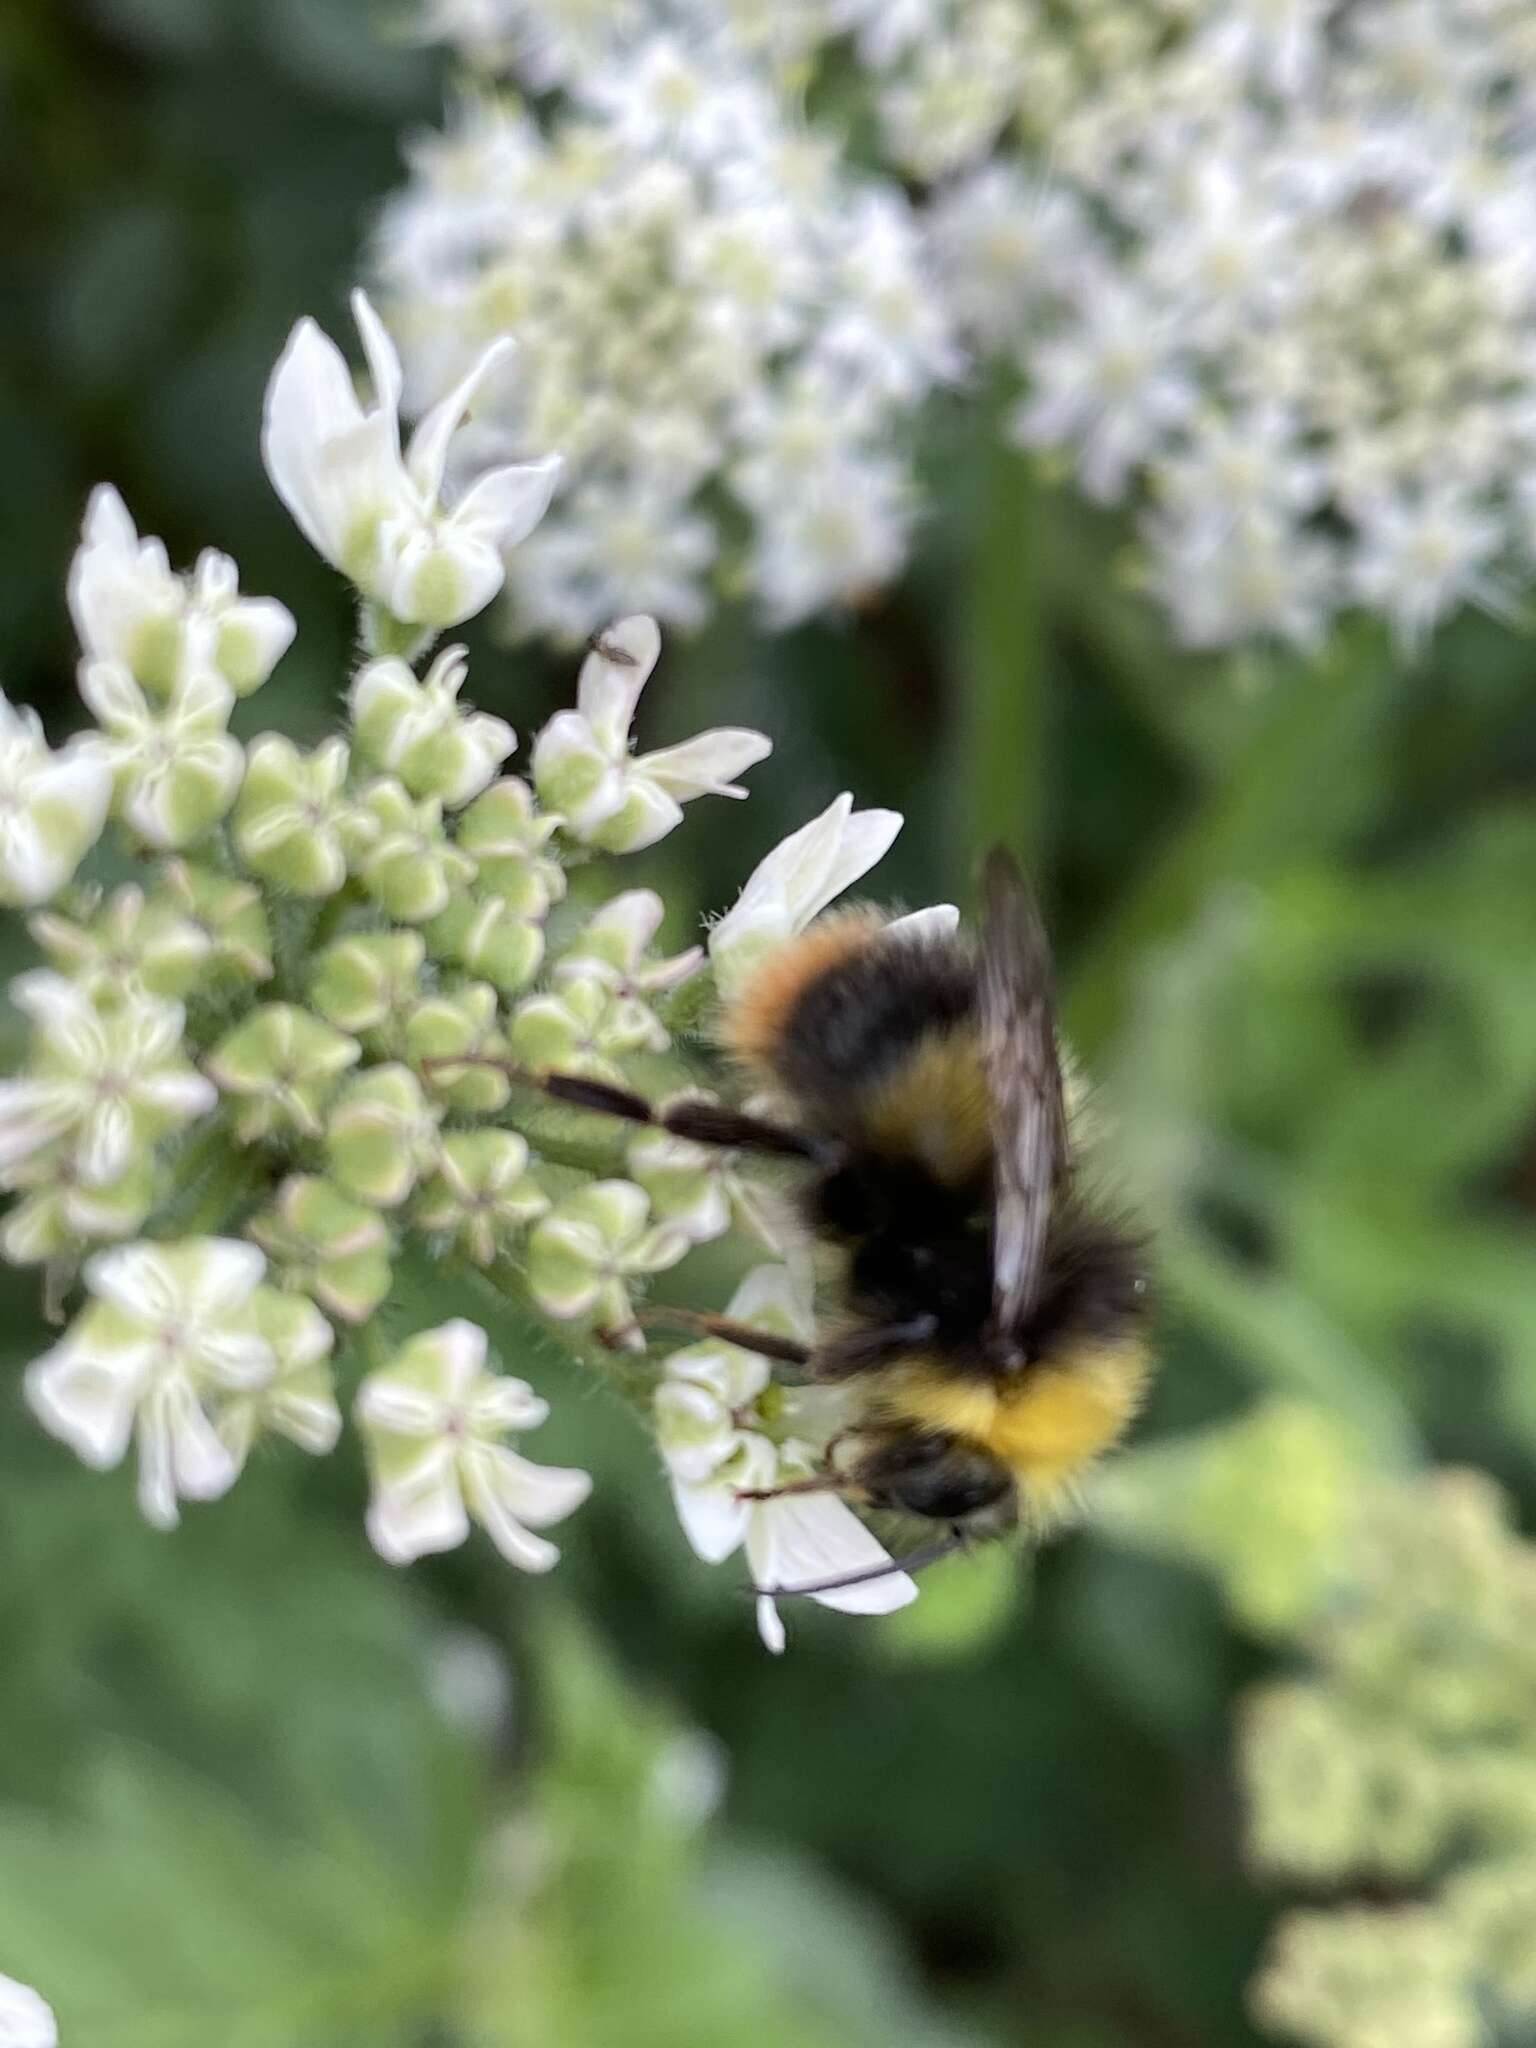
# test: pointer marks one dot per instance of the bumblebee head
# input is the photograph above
(938, 1476)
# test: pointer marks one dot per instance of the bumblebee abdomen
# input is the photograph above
(875, 1037)
(1046, 1424)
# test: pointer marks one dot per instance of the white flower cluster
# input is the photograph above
(722, 327)
(1274, 284)
(1264, 268)
(222, 1144)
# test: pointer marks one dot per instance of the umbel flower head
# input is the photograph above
(286, 1057)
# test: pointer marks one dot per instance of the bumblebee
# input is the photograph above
(989, 1320)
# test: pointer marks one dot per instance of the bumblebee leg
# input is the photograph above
(704, 1123)
(814, 1482)
(787, 1350)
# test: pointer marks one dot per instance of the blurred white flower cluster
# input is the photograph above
(296, 1042)
(1273, 281)
(722, 326)
(1264, 269)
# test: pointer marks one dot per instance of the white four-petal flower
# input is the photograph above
(375, 512)
(107, 1081)
(170, 1330)
(434, 1419)
(582, 763)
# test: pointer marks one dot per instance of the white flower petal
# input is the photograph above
(505, 505)
(201, 1465)
(310, 402)
(427, 456)
(714, 1520)
(614, 674)
(26, 2020)
(536, 1494)
(707, 765)
(937, 921)
(770, 1625)
(382, 356)
(87, 1401)
(802, 1538)
(422, 1513)
(226, 1273)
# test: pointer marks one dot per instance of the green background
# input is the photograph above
(246, 1794)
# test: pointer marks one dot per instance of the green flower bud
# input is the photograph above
(291, 817)
(130, 941)
(458, 1021)
(506, 836)
(489, 936)
(582, 1028)
(610, 948)
(418, 732)
(359, 983)
(409, 869)
(286, 1064)
(583, 1253)
(230, 916)
(380, 1135)
(698, 1189)
(482, 1194)
(326, 1245)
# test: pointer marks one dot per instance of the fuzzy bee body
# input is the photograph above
(991, 1319)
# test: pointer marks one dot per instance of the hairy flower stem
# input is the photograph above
(501, 1290)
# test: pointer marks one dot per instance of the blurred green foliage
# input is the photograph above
(1295, 911)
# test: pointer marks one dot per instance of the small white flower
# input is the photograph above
(52, 807)
(26, 2020)
(177, 769)
(377, 513)
(108, 1081)
(171, 1328)
(715, 1445)
(1420, 557)
(795, 883)
(582, 765)
(129, 607)
(1111, 386)
(834, 543)
(434, 1419)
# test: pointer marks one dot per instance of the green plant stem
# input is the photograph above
(1003, 736)
(1301, 780)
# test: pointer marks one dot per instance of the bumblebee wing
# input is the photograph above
(1029, 1123)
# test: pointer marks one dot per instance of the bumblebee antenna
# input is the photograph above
(917, 1561)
